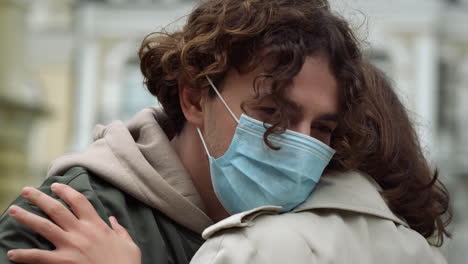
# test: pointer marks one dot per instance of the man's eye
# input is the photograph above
(323, 129)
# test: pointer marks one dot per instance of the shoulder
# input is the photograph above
(315, 236)
(102, 195)
(14, 234)
(79, 178)
(257, 236)
(159, 238)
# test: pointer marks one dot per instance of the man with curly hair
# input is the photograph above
(261, 100)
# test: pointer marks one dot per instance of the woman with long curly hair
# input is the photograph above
(277, 141)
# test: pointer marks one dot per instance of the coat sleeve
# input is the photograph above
(15, 235)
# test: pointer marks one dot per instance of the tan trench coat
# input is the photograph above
(345, 220)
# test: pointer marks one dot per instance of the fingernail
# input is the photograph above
(13, 210)
(26, 191)
(112, 219)
(55, 186)
(12, 254)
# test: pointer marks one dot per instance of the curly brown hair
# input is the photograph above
(374, 135)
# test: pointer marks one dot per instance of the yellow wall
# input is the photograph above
(53, 132)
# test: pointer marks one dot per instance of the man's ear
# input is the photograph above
(191, 102)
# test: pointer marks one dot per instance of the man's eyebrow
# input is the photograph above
(328, 117)
(299, 110)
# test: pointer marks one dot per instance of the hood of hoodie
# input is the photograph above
(138, 159)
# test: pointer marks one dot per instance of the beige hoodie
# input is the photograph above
(138, 159)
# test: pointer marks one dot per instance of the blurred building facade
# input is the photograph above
(20, 104)
(81, 66)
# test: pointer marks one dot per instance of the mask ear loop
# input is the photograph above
(222, 99)
(203, 142)
(227, 107)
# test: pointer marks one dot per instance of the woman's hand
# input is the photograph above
(79, 237)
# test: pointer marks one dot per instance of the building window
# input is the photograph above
(134, 94)
(382, 61)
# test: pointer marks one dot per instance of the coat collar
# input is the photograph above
(350, 191)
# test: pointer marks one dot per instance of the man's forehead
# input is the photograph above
(320, 114)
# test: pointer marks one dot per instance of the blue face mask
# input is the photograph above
(250, 174)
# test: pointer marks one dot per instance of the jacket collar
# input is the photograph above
(350, 191)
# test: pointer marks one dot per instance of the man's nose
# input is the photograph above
(302, 127)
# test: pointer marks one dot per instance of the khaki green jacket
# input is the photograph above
(160, 239)
(131, 172)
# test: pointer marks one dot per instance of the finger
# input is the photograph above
(80, 205)
(41, 225)
(34, 256)
(53, 208)
(120, 230)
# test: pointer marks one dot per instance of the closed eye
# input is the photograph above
(267, 110)
(323, 129)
